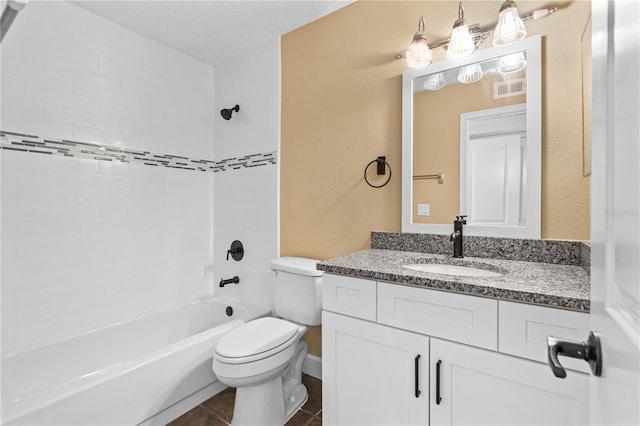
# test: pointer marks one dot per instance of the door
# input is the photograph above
(494, 181)
(373, 374)
(493, 166)
(615, 212)
(471, 386)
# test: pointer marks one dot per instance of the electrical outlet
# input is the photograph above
(423, 209)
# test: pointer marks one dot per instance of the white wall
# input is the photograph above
(246, 199)
(70, 74)
(87, 242)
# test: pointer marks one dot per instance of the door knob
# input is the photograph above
(589, 351)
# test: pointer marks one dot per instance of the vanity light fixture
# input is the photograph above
(510, 27)
(461, 43)
(434, 82)
(470, 74)
(419, 55)
(512, 63)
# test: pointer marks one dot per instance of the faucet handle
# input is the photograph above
(462, 218)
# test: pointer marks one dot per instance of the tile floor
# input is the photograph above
(218, 409)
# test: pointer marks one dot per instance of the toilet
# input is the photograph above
(263, 358)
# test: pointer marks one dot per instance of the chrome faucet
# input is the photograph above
(456, 236)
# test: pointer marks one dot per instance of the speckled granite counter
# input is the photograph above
(559, 286)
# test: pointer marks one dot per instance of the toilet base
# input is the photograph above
(260, 405)
(274, 402)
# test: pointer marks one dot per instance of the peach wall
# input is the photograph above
(341, 108)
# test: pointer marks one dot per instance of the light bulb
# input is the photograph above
(510, 27)
(470, 74)
(434, 82)
(419, 55)
(461, 43)
(512, 63)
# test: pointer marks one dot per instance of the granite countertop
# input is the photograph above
(545, 284)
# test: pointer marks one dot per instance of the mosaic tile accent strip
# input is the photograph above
(49, 146)
(542, 251)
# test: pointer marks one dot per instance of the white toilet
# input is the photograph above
(263, 358)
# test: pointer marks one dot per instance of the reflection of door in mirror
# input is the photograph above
(436, 137)
(492, 166)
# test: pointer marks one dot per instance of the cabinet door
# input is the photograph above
(487, 388)
(373, 374)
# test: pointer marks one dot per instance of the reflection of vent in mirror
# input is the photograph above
(504, 89)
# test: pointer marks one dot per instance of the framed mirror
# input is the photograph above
(471, 143)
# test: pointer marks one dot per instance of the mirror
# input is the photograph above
(472, 143)
(585, 56)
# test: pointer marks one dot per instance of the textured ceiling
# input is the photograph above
(211, 30)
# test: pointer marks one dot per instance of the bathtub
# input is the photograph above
(122, 374)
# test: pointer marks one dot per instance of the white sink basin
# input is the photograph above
(438, 268)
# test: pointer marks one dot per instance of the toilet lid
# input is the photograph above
(256, 337)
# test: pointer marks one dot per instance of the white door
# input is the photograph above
(615, 212)
(373, 374)
(494, 181)
(471, 386)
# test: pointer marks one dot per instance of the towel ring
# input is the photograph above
(382, 165)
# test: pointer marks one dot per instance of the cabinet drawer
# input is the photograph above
(355, 297)
(523, 331)
(458, 317)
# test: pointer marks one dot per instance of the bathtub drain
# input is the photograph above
(229, 311)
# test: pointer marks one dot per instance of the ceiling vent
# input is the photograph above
(505, 89)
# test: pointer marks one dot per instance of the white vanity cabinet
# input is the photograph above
(476, 386)
(373, 374)
(408, 355)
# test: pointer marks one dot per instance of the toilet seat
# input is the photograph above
(256, 340)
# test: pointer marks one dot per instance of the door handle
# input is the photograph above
(590, 351)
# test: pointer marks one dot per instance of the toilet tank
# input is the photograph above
(297, 290)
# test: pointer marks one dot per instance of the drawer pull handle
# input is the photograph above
(438, 398)
(417, 371)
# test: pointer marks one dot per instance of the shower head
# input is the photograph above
(226, 113)
(9, 14)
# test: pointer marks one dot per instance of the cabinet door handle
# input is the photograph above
(438, 398)
(417, 371)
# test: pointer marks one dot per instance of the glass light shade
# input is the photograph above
(419, 54)
(461, 43)
(470, 74)
(512, 63)
(434, 82)
(510, 27)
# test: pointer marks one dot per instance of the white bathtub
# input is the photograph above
(122, 374)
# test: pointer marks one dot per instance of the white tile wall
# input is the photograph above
(245, 209)
(88, 242)
(67, 73)
(246, 200)
(251, 80)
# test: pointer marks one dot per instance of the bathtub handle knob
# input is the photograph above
(236, 251)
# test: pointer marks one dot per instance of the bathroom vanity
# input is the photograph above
(402, 346)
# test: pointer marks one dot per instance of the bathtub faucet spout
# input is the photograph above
(234, 280)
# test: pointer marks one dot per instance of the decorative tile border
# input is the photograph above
(49, 146)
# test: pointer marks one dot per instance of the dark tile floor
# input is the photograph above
(218, 410)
